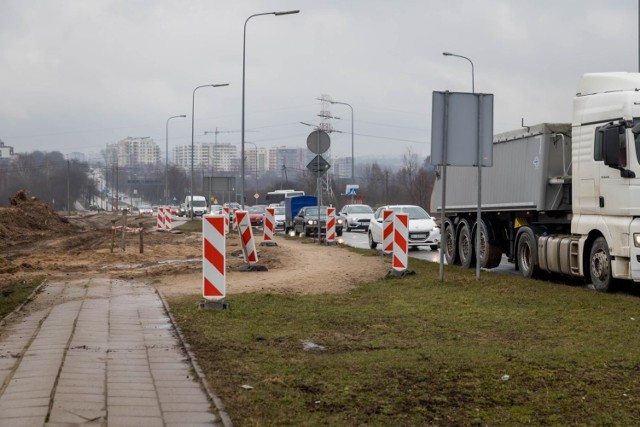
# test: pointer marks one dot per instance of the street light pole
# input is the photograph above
(244, 45)
(479, 160)
(256, 147)
(473, 89)
(353, 181)
(193, 102)
(166, 159)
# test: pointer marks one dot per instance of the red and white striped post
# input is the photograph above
(241, 218)
(331, 226)
(234, 225)
(167, 219)
(160, 219)
(400, 243)
(213, 257)
(225, 211)
(387, 231)
(268, 227)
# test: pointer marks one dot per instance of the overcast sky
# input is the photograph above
(79, 74)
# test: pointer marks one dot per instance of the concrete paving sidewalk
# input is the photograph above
(99, 353)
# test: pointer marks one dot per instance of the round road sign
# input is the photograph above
(318, 141)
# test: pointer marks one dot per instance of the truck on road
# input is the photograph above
(560, 198)
(292, 206)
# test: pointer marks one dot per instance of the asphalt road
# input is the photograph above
(358, 239)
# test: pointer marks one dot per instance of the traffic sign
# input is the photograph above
(318, 141)
(318, 164)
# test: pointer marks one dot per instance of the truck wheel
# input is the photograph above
(306, 232)
(372, 244)
(600, 265)
(525, 255)
(339, 233)
(450, 249)
(465, 245)
(490, 253)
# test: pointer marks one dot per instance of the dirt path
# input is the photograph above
(172, 262)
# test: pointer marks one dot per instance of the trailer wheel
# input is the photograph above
(600, 265)
(450, 249)
(525, 255)
(490, 253)
(465, 245)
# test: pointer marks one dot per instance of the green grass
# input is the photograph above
(190, 226)
(415, 351)
(14, 294)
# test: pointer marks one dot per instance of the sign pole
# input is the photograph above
(443, 240)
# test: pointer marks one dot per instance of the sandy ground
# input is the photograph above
(173, 262)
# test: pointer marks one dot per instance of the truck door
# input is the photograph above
(612, 159)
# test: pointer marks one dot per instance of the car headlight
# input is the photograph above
(310, 222)
(636, 240)
(339, 221)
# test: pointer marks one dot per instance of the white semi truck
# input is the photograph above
(560, 198)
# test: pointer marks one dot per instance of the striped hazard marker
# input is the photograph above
(248, 245)
(268, 227)
(213, 257)
(160, 219)
(226, 219)
(241, 218)
(331, 225)
(167, 219)
(400, 242)
(387, 231)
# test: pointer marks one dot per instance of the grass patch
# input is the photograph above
(415, 351)
(15, 293)
(189, 226)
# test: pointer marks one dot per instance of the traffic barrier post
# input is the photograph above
(400, 260)
(330, 237)
(225, 211)
(268, 227)
(234, 224)
(241, 218)
(387, 231)
(160, 219)
(213, 257)
(167, 219)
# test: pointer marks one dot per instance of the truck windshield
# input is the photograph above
(199, 204)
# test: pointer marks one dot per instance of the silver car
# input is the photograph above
(356, 217)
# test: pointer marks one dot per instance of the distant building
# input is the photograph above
(6, 152)
(341, 167)
(133, 152)
(215, 157)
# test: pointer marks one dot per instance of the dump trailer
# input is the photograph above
(559, 198)
(292, 206)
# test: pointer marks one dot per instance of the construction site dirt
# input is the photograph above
(36, 241)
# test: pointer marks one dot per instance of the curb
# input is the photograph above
(226, 420)
(30, 298)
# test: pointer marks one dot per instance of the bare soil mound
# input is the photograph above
(29, 218)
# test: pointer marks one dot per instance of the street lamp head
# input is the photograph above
(219, 85)
(182, 115)
(447, 53)
(288, 12)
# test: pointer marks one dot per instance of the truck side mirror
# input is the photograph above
(611, 146)
(611, 151)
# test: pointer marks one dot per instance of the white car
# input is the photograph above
(280, 218)
(356, 217)
(423, 230)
